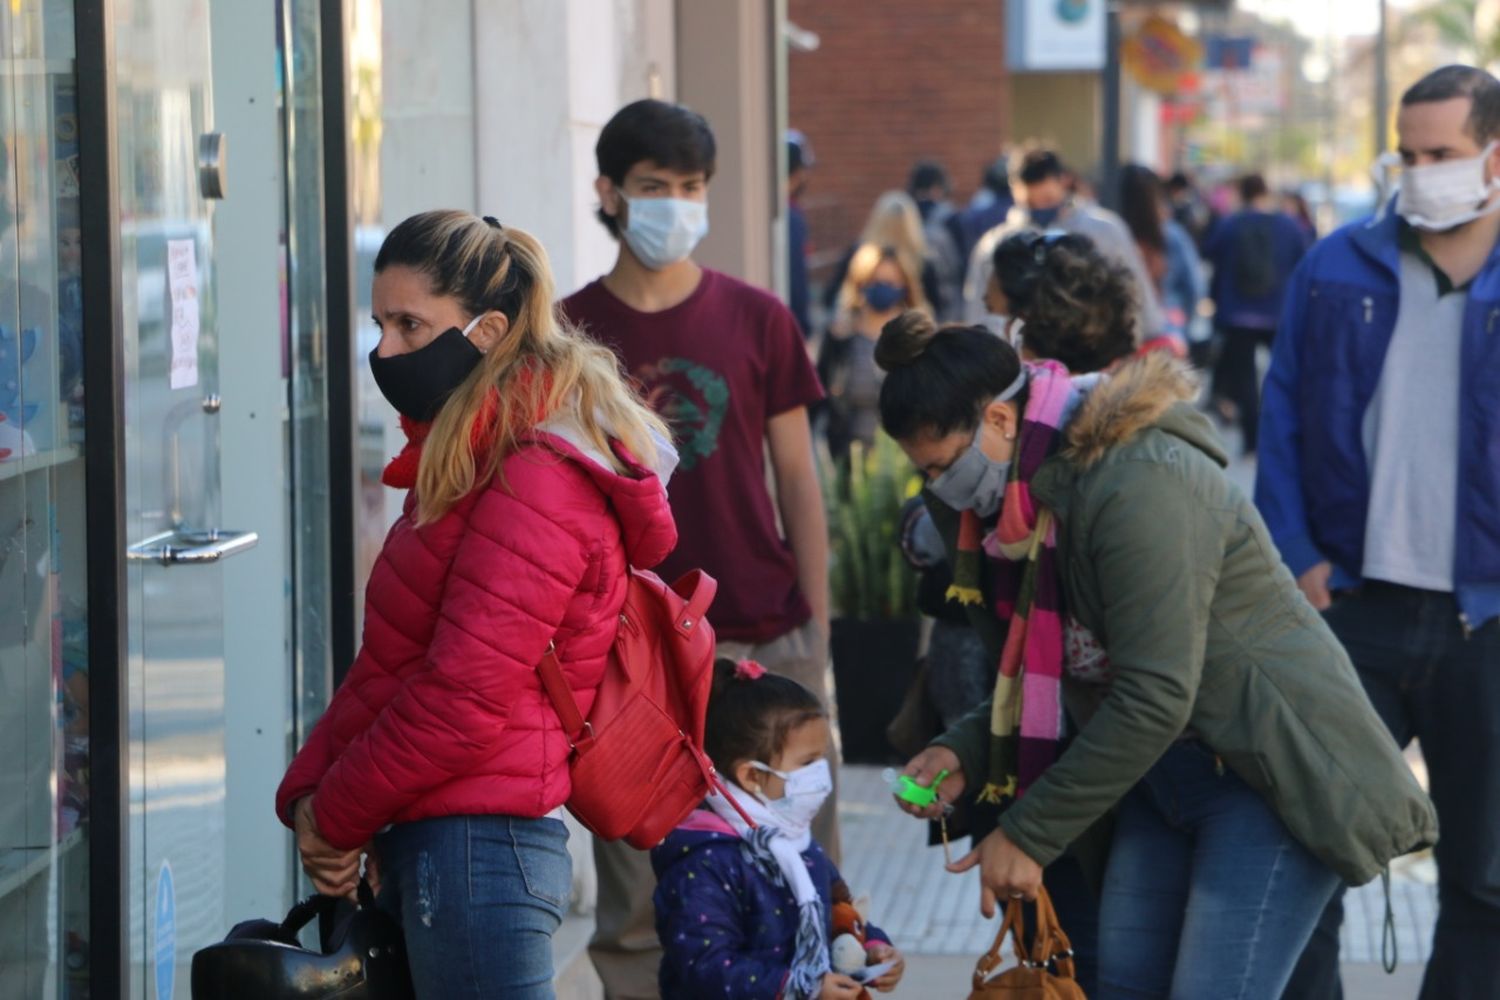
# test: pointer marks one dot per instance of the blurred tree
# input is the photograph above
(1470, 27)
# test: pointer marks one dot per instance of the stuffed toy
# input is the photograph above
(847, 951)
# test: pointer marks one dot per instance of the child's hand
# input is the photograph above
(881, 952)
(839, 987)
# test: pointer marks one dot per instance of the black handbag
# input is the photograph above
(363, 956)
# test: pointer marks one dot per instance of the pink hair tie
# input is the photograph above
(749, 670)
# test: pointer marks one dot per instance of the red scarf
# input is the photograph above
(401, 473)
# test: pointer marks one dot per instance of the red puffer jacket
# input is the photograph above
(443, 712)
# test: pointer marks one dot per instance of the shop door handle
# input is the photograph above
(192, 548)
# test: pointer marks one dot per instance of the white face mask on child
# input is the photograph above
(807, 788)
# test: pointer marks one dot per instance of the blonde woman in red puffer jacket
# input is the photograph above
(535, 479)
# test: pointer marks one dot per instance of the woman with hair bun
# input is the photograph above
(534, 479)
(1154, 663)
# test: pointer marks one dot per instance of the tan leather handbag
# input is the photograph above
(1046, 970)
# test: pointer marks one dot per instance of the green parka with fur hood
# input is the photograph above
(1168, 563)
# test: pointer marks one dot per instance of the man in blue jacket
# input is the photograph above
(1379, 478)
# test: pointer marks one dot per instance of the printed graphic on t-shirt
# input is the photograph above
(693, 399)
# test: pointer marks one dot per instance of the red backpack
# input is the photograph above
(638, 766)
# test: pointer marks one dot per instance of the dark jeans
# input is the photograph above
(478, 898)
(1237, 379)
(1429, 682)
(1207, 895)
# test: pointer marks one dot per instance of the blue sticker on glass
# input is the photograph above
(164, 941)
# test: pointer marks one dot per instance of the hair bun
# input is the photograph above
(904, 339)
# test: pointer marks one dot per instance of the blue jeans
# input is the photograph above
(478, 899)
(1207, 896)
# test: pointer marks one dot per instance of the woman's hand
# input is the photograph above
(1005, 871)
(333, 872)
(924, 769)
(839, 987)
(881, 952)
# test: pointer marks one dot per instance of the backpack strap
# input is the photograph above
(561, 695)
(697, 589)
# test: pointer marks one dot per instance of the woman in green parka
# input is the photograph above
(1155, 663)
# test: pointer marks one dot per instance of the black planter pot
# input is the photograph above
(874, 661)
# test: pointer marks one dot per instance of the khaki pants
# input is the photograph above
(625, 949)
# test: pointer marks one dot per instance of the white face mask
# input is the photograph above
(1007, 328)
(1443, 196)
(807, 788)
(663, 231)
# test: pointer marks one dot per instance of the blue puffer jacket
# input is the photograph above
(1313, 483)
(726, 929)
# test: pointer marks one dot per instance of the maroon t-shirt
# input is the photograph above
(718, 366)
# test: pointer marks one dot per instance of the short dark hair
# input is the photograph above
(996, 176)
(1179, 181)
(1253, 187)
(672, 136)
(1462, 81)
(795, 160)
(928, 174)
(749, 718)
(939, 380)
(1039, 165)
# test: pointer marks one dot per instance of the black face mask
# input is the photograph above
(417, 384)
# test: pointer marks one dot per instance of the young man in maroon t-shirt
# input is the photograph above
(726, 364)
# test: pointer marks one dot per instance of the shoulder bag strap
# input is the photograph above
(1052, 944)
(561, 695)
(1015, 923)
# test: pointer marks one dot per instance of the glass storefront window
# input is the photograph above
(44, 668)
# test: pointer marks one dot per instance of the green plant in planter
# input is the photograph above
(869, 577)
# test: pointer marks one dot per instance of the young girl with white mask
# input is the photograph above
(742, 910)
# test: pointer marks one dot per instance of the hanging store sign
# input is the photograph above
(1055, 35)
(1158, 55)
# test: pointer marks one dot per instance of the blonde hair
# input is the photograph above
(541, 368)
(862, 267)
(896, 222)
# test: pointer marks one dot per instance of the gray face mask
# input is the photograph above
(975, 481)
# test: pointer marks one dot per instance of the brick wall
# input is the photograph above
(894, 81)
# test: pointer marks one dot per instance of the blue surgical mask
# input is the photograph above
(663, 231)
(882, 295)
(1044, 217)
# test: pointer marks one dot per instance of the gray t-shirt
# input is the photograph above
(1411, 436)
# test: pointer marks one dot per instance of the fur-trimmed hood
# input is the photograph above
(1154, 390)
